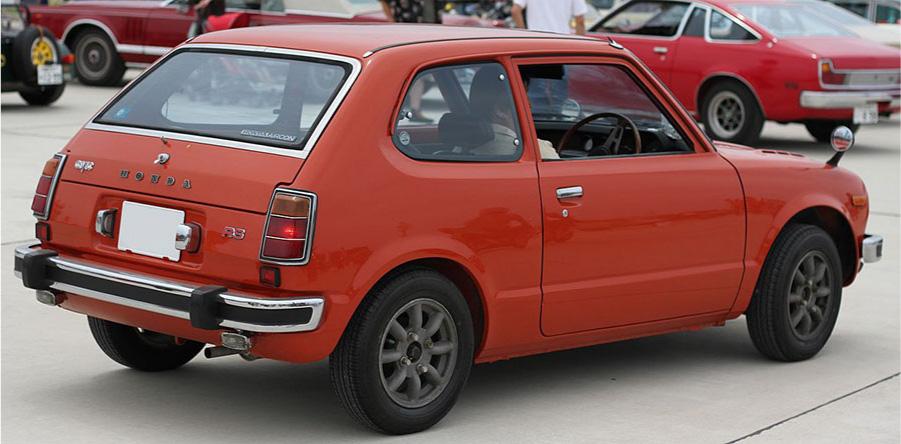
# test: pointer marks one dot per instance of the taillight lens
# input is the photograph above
(828, 76)
(43, 194)
(289, 227)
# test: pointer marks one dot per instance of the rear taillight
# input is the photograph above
(43, 195)
(289, 227)
(828, 75)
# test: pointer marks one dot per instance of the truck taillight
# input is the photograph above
(828, 76)
(43, 194)
(289, 227)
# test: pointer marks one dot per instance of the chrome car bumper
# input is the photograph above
(847, 99)
(208, 307)
(871, 250)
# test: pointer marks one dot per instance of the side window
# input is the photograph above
(695, 25)
(462, 113)
(724, 28)
(595, 111)
(654, 18)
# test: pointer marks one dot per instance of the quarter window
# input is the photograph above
(695, 25)
(653, 18)
(724, 28)
(462, 113)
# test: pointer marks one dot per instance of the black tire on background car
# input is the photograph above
(730, 113)
(821, 130)
(22, 58)
(142, 349)
(406, 354)
(42, 95)
(97, 62)
(798, 295)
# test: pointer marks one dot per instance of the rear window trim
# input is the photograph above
(316, 129)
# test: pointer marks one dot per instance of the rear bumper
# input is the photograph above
(871, 248)
(849, 99)
(208, 307)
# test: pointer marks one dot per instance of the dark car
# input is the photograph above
(35, 64)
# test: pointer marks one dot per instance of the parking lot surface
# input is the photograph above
(708, 386)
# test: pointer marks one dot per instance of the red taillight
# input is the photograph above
(828, 76)
(43, 194)
(68, 59)
(289, 227)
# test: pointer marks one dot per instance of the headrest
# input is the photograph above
(464, 130)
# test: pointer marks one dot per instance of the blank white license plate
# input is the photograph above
(866, 114)
(150, 230)
(50, 74)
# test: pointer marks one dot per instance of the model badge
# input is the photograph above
(234, 233)
(154, 178)
(123, 174)
(84, 165)
(139, 176)
(186, 184)
(170, 181)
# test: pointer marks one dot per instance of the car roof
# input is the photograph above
(361, 40)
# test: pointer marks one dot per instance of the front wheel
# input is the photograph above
(142, 349)
(821, 130)
(406, 354)
(798, 294)
(730, 113)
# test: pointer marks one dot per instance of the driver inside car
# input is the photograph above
(489, 99)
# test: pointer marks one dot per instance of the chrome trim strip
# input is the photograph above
(93, 22)
(846, 99)
(871, 248)
(316, 304)
(48, 199)
(308, 238)
(315, 134)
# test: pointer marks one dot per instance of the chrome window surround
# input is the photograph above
(308, 237)
(48, 203)
(738, 21)
(316, 132)
(675, 36)
(849, 72)
(316, 304)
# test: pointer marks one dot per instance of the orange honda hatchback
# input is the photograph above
(409, 200)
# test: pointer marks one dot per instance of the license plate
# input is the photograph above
(150, 230)
(866, 114)
(50, 75)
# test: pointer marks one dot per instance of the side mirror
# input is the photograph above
(842, 140)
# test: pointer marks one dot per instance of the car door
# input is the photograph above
(167, 26)
(648, 28)
(630, 237)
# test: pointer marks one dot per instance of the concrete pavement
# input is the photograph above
(709, 386)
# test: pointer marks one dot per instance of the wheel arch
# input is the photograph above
(76, 27)
(839, 229)
(718, 77)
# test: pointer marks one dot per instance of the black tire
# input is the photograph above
(141, 349)
(745, 130)
(769, 313)
(42, 96)
(356, 367)
(97, 62)
(821, 130)
(23, 65)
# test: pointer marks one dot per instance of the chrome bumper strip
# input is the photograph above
(871, 250)
(847, 99)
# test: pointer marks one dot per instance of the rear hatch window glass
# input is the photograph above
(266, 100)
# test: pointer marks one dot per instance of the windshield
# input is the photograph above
(799, 18)
(266, 100)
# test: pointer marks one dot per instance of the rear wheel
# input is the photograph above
(406, 354)
(96, 60)
(821, 130)
(142, 349)
(730, 113)
(796, 302)
(42, 95)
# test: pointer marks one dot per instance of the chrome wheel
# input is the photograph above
(418, 353)
(726, 114)
(810, 295)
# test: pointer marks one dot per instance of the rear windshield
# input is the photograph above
(798, 18)
(238, 96)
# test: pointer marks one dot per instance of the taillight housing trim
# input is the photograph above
(48, 203)
(308, 235)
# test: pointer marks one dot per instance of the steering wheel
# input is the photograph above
(614, 140)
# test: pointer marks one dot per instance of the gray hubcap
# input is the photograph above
(726, 114)
(810, 295)
(418, 354)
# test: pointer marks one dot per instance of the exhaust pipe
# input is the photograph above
(218, 352)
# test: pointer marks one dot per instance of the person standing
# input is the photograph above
(413, 11)
(550, 15)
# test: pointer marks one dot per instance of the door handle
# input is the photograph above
(661, 49)
(569, 192)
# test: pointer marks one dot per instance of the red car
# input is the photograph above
(454, 196)
(737, 63)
